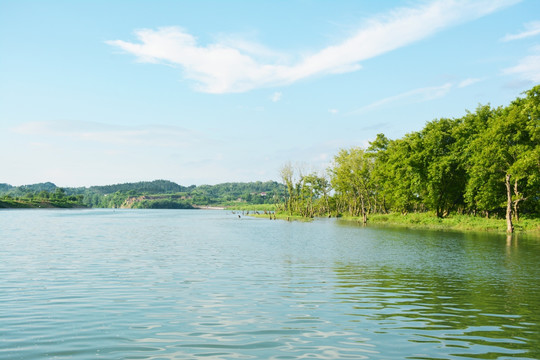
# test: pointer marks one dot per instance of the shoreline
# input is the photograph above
(200, 207)
(424, 221)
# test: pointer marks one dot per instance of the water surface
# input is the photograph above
(183, 284)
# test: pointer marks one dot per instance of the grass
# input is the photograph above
(13, 204)
(38, 203)
(426, 221)
(452, 222)
(281, 215)
(252, 207)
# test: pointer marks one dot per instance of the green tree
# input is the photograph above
(377, 150)
(506, 155)
(287, 174)
(438, 165)
(352, 171)
(400, 176)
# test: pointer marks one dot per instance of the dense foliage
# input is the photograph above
(484, 163)
(30, 196)
(149, 187)
(147, 194)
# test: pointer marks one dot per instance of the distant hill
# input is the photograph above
(4, 188)
(143, 194)
(47, 186)
(147, 187)
(24, 189)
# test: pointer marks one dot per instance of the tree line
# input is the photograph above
(144, 194)
(40, 198)
(486, 163)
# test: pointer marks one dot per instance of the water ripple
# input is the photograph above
(203, 285)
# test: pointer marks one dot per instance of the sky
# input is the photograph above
(206, 92)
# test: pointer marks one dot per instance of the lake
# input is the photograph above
(198, 284)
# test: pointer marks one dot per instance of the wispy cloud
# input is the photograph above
(468, 82)
(528, 68)
(252, 48)
(418, 95)
(235, 66)
(531, 29)
(154, 135)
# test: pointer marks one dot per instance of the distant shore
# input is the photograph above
(19, 204)
(208, 207)
(47, 205)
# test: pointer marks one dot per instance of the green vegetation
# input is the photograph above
(451, 222)
(253, 207)
(31, 198)
(485, 164)
(480, 171)
(158, 194)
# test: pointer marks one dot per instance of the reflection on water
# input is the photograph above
(207, 285)
(471, 295)
(457, 317)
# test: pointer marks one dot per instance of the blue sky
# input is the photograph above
(204, 92)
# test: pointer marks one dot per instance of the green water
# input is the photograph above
(183, 284)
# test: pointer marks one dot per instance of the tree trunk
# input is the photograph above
(515, 212)
(516, 202)
(327, 205)
(509, 226)
(364, 214)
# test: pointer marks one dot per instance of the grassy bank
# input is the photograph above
(452, 222)
(12, 204)
(280, 215)
(36, 204)
(430, 221)
(251, 207)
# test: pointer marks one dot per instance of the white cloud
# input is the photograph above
(532, 29)
(236, 66)
(276, 96)
(418, 95)
(528, 68)
(468, 82)
(252, 47)
(333, 111)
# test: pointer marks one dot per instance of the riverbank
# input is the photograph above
(29, 204)
(454, 222)
(430, 221)
(205, 207)
(252, 207)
